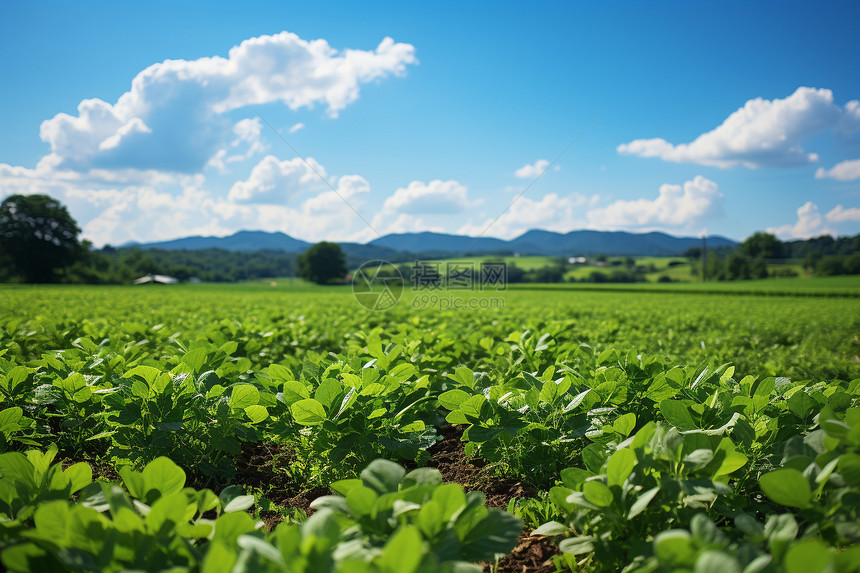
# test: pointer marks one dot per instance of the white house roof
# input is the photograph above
(160, 279)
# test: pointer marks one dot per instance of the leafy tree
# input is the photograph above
(831, 265)
(548, 274)
(762, 246)
(39, 236)
(323, 263)
(693, 253)
(810, 261)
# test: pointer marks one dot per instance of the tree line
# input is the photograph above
(39, 243)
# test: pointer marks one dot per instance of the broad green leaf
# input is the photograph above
(244, 395)
(327, 392)
(148, 373)
(577, 545)
(280, 373)
(677, 414)
(256, 413)
(360, 500)
(79, 475)
(674, 548)
(620, 466)
(382, 476)
(732, 462)
(239, 503)
(642, 502)
(572, 477)
(787, 487)
(196, 358)
(495, 533)
(167, 512)
(403, 552)
(452, 399)
(163, 476)
(624, 424)
(308, 412)
(717, 562)
(597, 493)
(849, 468)
(551, 528)
(808, 556)
(577, 400)
(450, 498)
(9, 419)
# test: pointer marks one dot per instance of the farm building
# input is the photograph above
(156, 279)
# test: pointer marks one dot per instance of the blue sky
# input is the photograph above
(154, 121)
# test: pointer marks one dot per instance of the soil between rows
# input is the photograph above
(259, 467)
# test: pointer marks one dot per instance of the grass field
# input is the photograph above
(560, 406)
(676, 268)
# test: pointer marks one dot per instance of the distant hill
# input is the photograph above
(440, 242)
(591, 243)
(403, 246)
(240, 241)
(538, 242)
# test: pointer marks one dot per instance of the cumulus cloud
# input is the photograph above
(281, 196)
(296, 127)
(849, 124)
(763, 133)
(274, 181)
(434, 198)
(683, 207)
(552, 212)
(530, 171)
(844, 171)
(173, 117)
(840, 214)
(810, 223)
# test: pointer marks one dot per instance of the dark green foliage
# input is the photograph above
(323, 263)
(122, 266)
(38, 236)
(762, 246)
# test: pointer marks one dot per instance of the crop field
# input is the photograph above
(676, 268)
(269, 427)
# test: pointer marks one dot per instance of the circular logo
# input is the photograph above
(377, 285)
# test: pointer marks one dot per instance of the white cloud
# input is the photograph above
(844, 171)
(434, 198)
(296, 127)
(840, 214)
(275, 181)
(282, 196)
(553, 212)
(172, 118)
(809, 224)
(132, 170)
(849, 124)
(680, 207)
(530, 171)
(763, 133)
(247, 131)
(402, 223)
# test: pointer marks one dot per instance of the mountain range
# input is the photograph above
(534, 242)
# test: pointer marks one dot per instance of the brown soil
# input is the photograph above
(533, 554)
(104, 471)
(449, 457)
(258, 466)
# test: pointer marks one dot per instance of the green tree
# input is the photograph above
(39, 236)
(762, 246)
(323, 263)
